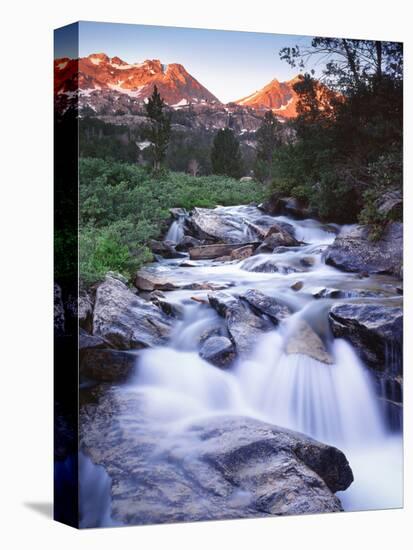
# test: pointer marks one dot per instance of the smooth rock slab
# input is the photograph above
(217, 468)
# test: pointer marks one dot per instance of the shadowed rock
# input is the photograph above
(107, 365)
(373, 329)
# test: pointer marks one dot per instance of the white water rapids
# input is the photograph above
(337, 404)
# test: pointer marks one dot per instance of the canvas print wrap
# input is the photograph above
(228, 274)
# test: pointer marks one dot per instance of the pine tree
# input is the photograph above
(226, 155)
(268, 140)
(159, 131)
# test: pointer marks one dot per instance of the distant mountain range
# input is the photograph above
(98, 75)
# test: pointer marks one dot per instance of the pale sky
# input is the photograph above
(230, 64)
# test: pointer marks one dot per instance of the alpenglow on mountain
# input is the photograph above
(100, 72)
(179, 89)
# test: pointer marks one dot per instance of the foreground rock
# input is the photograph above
(218, 350)
(303, 340)
(243, 325)
(127, 321)
(238, 468)
(355, 252)
(375, 331)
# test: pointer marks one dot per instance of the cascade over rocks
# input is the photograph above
(239, 467)
(125, 320)
(355, 252)
(265, 263)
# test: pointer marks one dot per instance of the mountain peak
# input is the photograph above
(99, 72)
(279, 97)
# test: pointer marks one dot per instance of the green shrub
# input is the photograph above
(122, 207)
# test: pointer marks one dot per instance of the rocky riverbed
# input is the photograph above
(244, 372)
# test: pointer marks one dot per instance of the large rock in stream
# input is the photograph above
(216, 468)
(127, 321)
(375, 330)
(243, 325)
(266, 305)
(303, 340)
(218, 225)
(354, 251)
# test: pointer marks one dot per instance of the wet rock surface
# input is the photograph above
(375, 331)
(218, 350)
(356, 252)
(107, 365)
(224, 467)
(212, 251)
(267, 305)
(127, 321)
(243, 325)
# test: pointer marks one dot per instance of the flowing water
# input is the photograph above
(337, 404)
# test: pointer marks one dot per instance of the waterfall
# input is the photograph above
(176, 230)
(336, 403)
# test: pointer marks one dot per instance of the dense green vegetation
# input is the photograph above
(122, 207)
(346, 149)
